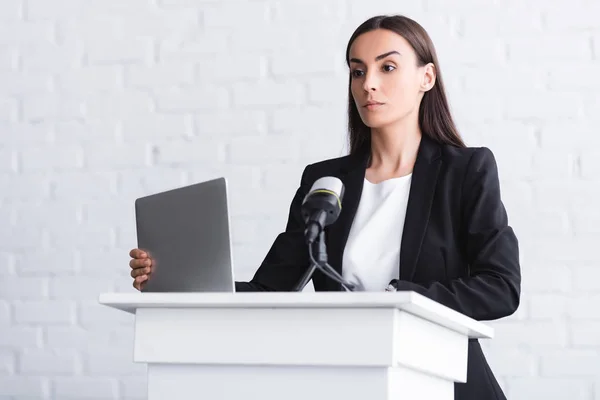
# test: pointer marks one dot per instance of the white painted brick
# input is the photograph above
(8, 59)
(512, 362)
(193, 45)
(120, 156)
(477, 108)
(584, 307)
(45, 263)
(331, 90)
(574, 363)
(21, 238)
(107, 362)
(50, 312)
(193, 151)
(556, 194)
(552, 165)
(478, 52)
(5, 314)
(48, 362)
(548, 306)
(89, 79)
(500, 20)
(40, 10)
(48, 106)
(23, 33)
(512, 76)
(49, 57)
(7, 263)
(226, 67)
(8, 160)
(266, 38)
(231, 15)
(570, 17)
(568, 135)
(591, 104)
(20, 83)
(543, 47)
(530, 221)
(69, 236)
(539, 335)
(71, 287)
(205, 97)
(294, 12)
(171, 74)
(585, 333)
(124, 105)
(88, 185)
(264, 149)
(269, 93)
(134, 388)
(543, 105)
(547, 278)
(12, 10)
(230, 123)
(85, 387)
(24, 288)
(560, 250)
(8, 110)
(137, 183)
(560, 77)
(308, 62)
(24, 134)
(20, 337)
(586, 221)
(105, 49)
(156, 126)
(590, 164)
(38, 159)
(47, 213)
(92, 315)
(101, 130)
(526, 388)
(7, 362)
(240, 176)
(584, 278)
(23, 387)
(306, 123)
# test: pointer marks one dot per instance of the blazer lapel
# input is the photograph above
(352, 175)
(422, 189)
(424, 179)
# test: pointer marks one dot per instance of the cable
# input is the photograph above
(329, 271)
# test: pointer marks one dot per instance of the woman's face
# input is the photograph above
(384, 71)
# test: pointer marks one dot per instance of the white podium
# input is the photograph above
(298, 345)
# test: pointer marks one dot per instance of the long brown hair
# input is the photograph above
(435, 119)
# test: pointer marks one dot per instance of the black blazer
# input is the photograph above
(457, 247)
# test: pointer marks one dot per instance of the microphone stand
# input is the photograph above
(320, 261)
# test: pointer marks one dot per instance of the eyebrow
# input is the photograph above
(379, 57)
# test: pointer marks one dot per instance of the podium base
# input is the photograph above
(192, 382)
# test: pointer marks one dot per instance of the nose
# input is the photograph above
(371, 82)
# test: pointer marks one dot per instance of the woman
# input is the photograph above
(420, 208)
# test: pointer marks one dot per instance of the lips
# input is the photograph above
(372, 103)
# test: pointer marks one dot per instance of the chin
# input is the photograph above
(374, 122)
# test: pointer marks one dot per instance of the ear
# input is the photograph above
(429, 75)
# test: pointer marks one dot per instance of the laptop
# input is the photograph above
(186, 231)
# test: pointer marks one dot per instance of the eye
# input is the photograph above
(356, 73)
(388, 68)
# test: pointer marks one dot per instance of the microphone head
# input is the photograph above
(326, 195)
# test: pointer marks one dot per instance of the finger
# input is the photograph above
(137, 253)
(137, 282)
(140, 262)
(140, 271)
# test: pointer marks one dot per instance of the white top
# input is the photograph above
(372, 253)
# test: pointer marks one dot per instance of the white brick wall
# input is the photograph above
(105, 101)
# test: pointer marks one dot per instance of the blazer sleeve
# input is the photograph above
(493, 286)
(288, 259)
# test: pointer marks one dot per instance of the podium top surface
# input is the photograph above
(407, 301)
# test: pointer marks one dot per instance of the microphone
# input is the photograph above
(322, 206)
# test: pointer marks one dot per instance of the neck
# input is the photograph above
(394, 148)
